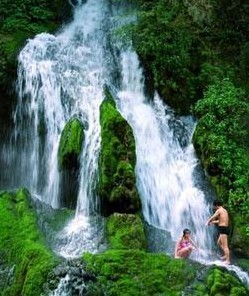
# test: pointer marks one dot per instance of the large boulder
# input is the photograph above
(117, 182)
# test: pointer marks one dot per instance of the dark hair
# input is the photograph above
(217, 203)
(185, 231)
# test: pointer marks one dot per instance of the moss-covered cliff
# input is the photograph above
(23, 253)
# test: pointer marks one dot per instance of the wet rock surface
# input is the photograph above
(70, 278)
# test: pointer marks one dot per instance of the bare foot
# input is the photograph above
(222, 257)
(227, 262)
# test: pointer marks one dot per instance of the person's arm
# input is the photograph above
(214, 222)
(213, 218)
(194, 244)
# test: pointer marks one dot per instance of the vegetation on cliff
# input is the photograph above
(22, 19)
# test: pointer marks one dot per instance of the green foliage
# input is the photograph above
(25, 15)
(70, 144)
(240, 239)
(22, 19)
(221, 138)
(232, 18)
(23, 245)
(3, 62)
(167, 45)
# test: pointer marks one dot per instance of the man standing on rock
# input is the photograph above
(221, 218)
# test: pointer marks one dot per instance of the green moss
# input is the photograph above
(70, 144)
(125, 231)
(117, 189)
(222, 283)
(134, 272)
(23, 245)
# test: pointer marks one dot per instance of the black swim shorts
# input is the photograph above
(223, 230)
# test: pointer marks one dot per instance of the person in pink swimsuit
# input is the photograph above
(185, 245)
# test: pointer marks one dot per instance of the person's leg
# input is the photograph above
(219, 243)
(224, 247)
(185, 252)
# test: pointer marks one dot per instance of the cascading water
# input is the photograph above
(61, 77)
(164, 169)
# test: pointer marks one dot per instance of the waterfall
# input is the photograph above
(172, 198)
(165, 165)
(60, 77)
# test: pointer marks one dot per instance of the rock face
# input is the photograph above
(70, 147)
(116, 188)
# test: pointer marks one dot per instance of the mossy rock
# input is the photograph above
(23, 245)
(220, 282)
(134, 272)
(125, 231)
(117, 181)
(71, 144)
